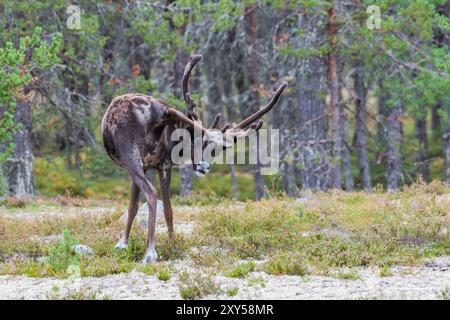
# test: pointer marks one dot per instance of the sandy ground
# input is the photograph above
(429, 281)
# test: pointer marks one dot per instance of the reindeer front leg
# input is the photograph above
(164, 179)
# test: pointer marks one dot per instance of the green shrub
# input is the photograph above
(164, 274)
(197, 286)
(285, 263)
(241, 270)
(62, 255)
(231, 292)
(348, 275)
(385, 271)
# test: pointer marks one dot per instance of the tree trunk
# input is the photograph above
(313, 120)
(392, 136)
(446, 137)
(289, 180)
(284, 115)
(333, 85)
(186, 172)
(436, 120)
(346, 157)
(18, 169)
(361, 128)
(217, 70)
(422, 152)
(254, 62)
(441, 39)
(284, 121)
(445, 41)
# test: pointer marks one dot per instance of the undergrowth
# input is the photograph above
(328, 231)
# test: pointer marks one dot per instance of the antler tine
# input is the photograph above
(182, 117)
(257, 125)
(225, 128)
(193, 60)
(215, 121)
(265, 109)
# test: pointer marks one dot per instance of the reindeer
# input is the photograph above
(137, 133)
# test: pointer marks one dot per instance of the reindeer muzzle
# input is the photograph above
(202, 169)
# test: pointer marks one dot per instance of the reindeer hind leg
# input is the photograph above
(132, 211)
(149, 192)
(164, 179)
(132, 161)
(137, 174)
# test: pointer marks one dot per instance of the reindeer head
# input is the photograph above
(213, 139)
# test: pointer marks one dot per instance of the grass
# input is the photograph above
(256, 281)
(15, 202)
(241, 270)
(83, 293)
(231, 292)
(348, 275)
(330, 231)
(444, 294)
(196, 285)
(285, 263)
(164, 274)
(333, 230)
(385, 271)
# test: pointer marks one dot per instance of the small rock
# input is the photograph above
(440, 263)
(83, 250)
(301, 200)
(443, 231)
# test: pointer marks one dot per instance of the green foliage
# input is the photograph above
(197, 285)
(385, 271)
(231, 292)
(115, 38)
(342, 237)
(15, 74)
(164, 274)
(83, 293)
(285, 263)
(444, 294)
(241, 270)
(348, 275)
(330, 234)
(62, 255)
(256, 281)
(105, 265)
(100, 178)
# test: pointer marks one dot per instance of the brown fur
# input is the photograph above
(136, 134)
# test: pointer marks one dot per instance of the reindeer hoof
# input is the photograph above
(121, 246)
(150, 257)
